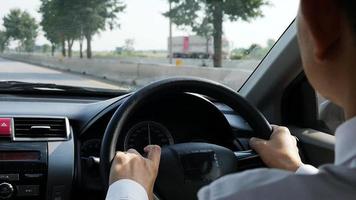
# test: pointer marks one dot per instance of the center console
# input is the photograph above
(36, 158)
(23, 170)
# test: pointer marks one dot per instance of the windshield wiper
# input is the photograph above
(19, 86)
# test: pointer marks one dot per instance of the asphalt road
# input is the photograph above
(17, 71)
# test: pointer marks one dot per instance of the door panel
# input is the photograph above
(316, 147)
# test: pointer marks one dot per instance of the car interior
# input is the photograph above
(62, 146)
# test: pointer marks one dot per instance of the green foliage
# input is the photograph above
(204, 29)
(205, 17)
(69, 20)
(52, 20)
(270, 43)
(243, 9)
(21, 26)
(46, 48)
(96, 15)
(60, 22)
(255, 51)
(28, 45)
(3, 41)
(238, 54)
(187, 14)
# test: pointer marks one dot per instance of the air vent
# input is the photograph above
(40, 128)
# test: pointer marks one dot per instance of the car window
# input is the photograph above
(330, 115)
(126, 44)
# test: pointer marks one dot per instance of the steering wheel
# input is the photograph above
(185, 168)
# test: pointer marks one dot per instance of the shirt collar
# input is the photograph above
(345, 147)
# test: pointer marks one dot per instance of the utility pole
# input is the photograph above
(170, 35)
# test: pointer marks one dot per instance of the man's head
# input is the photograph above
(327, 38)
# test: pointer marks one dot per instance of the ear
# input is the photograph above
(323, 19)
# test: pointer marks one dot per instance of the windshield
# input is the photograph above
(126, 44)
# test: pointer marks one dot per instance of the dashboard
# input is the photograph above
(169, 120)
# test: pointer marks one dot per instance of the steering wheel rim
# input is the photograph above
(178, 84)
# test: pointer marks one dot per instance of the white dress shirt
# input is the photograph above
(126, 189)
(337, 181)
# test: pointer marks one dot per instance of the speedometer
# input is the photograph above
(145, 133)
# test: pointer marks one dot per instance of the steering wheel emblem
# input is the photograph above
(200, 165)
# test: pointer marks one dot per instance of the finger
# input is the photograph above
(133, 151)
(119, 155)
(258, 144)
(274, 126)
(275, 131)
(153, 153)
(279, 131)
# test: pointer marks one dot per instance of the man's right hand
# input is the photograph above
(280, 151)
(132, 165)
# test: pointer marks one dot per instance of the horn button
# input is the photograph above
(201, 165)
(190, 166)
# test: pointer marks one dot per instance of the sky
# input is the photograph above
(143, 22)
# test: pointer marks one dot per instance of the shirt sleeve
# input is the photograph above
(233, 184)
(239, 183)
(126, 189)
(307, 170)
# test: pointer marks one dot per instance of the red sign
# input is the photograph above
(5, 127)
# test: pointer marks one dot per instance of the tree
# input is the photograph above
(28, 45)
(3, 41)
(129, 45)
(21, 26)
(238, 54)
(204, 29)
(184, 18)
(60, 23)
(270, 43)
(213, 13)
(50, 25)
(12, 22)
(254, 51)
(46, 48)
(95, 16)
(65, 21)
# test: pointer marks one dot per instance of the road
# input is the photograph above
(17, 71)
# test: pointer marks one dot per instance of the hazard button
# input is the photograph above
(5, 127)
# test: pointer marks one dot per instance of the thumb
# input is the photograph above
(153, 153)
(258, 144)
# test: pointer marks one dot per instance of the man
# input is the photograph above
(327, 39)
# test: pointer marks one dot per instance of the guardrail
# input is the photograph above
(130, 73)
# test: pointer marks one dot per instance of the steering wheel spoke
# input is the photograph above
(248, 159)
